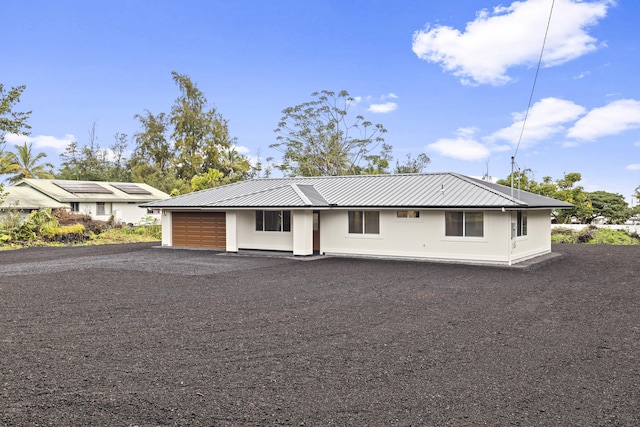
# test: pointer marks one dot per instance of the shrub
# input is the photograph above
(593, 235)
(64, 233)
(563, 235)
(68, 218)
(605, 236)
(586, 234)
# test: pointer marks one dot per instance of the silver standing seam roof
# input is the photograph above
(430, 190)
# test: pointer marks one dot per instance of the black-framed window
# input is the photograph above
(273, 221)
(522, 223)
(464, 223)
(364, 222)
(408, 214)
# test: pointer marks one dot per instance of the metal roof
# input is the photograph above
(432, 190)
(29, 199)
(67, 191)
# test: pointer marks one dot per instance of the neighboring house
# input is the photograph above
(437, 216)
(26, 199)
(98, 199)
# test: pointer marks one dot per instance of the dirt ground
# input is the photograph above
(129, 335)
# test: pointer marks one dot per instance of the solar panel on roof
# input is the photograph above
(82, 187)
(130, 188)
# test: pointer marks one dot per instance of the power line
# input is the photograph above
(535, 79)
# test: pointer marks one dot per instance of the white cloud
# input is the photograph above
(41, 141)
(582, 75)
(511, 36)
(633, 167)
(240, 149)
(636, 144)
(387, 107)
(390, 95)
(611, 119)
(464, 147)
(547, 117)
(356, 100)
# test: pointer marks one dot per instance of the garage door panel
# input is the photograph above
(201, 229)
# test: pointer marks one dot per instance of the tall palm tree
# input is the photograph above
(24, 164)
(5, 161)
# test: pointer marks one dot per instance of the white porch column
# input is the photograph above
(302, 228)
(231, 224)
(165, 221)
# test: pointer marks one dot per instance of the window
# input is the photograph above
(464, 224)
(75, 207)
(367, 222)
(273, 220)
(522, 223)
(103, 208)
(408, 214)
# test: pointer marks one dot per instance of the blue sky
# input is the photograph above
(449, 79)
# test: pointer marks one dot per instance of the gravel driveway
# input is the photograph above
(129, 335)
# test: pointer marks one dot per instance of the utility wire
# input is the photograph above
(535, 79)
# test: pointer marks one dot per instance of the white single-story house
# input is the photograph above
(98, 199)
(435, 216)
(25, 199)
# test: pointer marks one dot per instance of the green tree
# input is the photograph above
(118, 171)
(235, 166)
(152, 146)
(411, 165)
(200, 134)
(212, 178)
(564, 189)
(569, 192)
(24, 163)
(613, 207)
(521, 180)
(319, 138)
(152, 158)
(89, 162)
(10, 122)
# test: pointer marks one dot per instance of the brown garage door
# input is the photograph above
(203, 229)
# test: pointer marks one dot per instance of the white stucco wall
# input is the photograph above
(129, 213)
(231, 223)
(249, 238)
(302, 228)
(538, 239)
(425, 238)
(165, 219)
(422, 238)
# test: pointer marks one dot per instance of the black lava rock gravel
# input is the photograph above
(129, 335)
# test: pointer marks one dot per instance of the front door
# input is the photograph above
(316, 232)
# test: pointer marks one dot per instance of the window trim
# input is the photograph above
(464, 224)
(522, 224)
(408, 216)
(107, 208)
(363, 214)
(261, 222)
